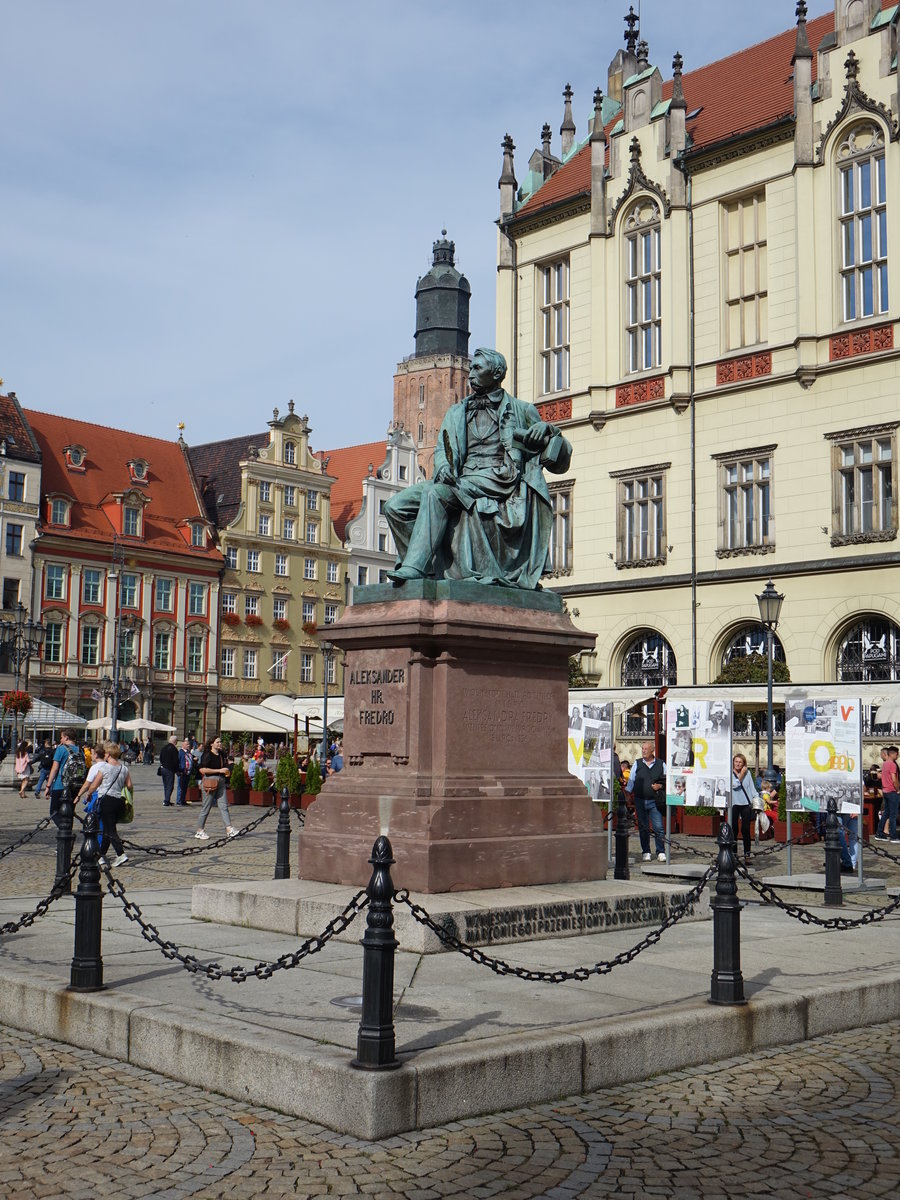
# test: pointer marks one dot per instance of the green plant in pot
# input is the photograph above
(313, 784)
(287, 775)
(239, 783)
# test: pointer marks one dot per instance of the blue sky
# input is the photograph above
(213, 206)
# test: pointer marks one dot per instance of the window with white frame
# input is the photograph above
(253, 561)
(560, 549)
(131, 521)
(279, 609)
(332, 572)
(331, 613)
(227, 667)
(251, 606)
(643, 288)
(309, 611)
(129, 590)
(229, 602)
(312, 500)
(288, 528)
(195, 654)
(383, 576)
(265, 524)
(312, 532)
(640, 526)
(382, 542)
(746, 290)
(862, 184)
(864, 507)
(331, 668)
(91, 586)
(290, 495)
(306, 668)
(362, 576)
(164, 595)
(265, 491)
(162, 651)
(402, 472)
(279, 664)
(281, 564)
(196, 599)
(53, 643)
(59, 512)
(290, 452)
(309, 568)
(231, 558)
(126, 647)
(554, 325)
(198, 534)
(90, 645)
(55, 582)
(249, 671)
(746, 514)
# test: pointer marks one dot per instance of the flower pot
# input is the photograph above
(306, 799)
(238, 796)
(193, 795)
(700, 824)
(295, 801)
(260, 799)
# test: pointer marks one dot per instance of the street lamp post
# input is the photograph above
(20, 637)
(770, 603)
(327, 651)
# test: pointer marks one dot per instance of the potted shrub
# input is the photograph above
(193, 784)
(313, 783)
(287, 775)
(238, 784)
(259, 788)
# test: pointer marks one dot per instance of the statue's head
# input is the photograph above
(493, 360)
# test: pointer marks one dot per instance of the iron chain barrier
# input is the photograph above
(60, 888)
(804, 916)
(499, 967)
(212, 844)
(26, 837)
(237, 973)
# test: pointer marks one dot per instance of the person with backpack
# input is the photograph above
(107, 778)
(45, 762)
(68, 771)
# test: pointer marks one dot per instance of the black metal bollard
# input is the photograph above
(375, 1041)
(283, 838)
(623, 823)
(87, 963)
(727, 985)
(65, 840)
(834, 892)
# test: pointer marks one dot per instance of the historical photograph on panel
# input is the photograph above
(823, 754)
(698, 753)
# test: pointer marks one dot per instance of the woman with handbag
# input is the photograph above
(107, 777)
(743, 793)
(213, 773)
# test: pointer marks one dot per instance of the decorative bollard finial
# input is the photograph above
(375, 1043)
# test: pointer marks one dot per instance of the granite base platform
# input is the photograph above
(480, 918)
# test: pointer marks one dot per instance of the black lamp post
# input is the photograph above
(20, 637)
(327, 652)
(770, 603)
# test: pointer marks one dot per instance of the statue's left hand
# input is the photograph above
(537, 437)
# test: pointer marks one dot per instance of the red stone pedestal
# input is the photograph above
(455, 725)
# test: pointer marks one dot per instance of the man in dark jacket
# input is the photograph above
(168, 768)
(646, 782)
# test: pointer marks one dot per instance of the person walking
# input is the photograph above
(107, 777)
(67, 745)
(185, 766)
(743, 793)
(890, 788)
(645, 783)
(45, 762)
(168, 768)
(23, 767)
(213, 773)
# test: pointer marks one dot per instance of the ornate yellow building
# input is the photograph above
(704, 293)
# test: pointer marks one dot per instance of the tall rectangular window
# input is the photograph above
(162, 651)
(279, 665)
(312, 500)
(59, 512)
(265, 491)
(231, 558)
(281, 564)
(195, 654)
(129, 590)
(306, 668)
(229, 602)
(746, 294)
(290, 495)
(131, 522)
(560, 549)
(228, 662)
(640, 525)
(312, 532)
(90, 645)
(16, 485)
(289, 529)
(164, 595)
(309, 611)
(13, 540)
(331, 668)
(863, 224)
(196, 599)
(864, 501)
(643, 289)
(332, 572)
(249, 671)
(253, 561)
(55, 582)
(91, 585)
(126, 647)
(265, 524)
(554, 326)
(309, 568)
(746, 515)
(53, 644)
(251, 606)
(362, 576)
(198, 534)
(279, 609)
(331, 613)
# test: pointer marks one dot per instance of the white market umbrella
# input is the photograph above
(142, 723)
(99, 723)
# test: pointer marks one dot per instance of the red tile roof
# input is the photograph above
(350, 466)
(748, 90)
(173, 497)
(217, 469)
(14, 431)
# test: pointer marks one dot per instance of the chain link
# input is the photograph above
(499, 967)
(877, 850)
(26, 837)
(300, 815)
(61, 888)
(804, 916)
(187, 851)
(237, 973)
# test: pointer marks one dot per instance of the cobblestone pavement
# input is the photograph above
(815, 1120)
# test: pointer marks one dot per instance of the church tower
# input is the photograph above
(436, 375)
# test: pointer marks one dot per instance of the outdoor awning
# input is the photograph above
(254, 718)
(623, 698)
(752, 695)
(47, 716)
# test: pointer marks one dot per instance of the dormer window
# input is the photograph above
(131, 521)
(198, 534)
(137, 469)
(75, 456)
(290, 453)
(59, 512)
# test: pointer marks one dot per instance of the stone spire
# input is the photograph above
(804, 150)
(678, 100)
(598, 168)
(677, 130)
(442, 305)
(632, 29)
(801, 47)
(507, 181)
(643, 55)
(567, 129)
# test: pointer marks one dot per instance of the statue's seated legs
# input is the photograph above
(418, 518)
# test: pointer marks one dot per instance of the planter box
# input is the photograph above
(306, 800)
(798, 829)
(238, 796)
(193, 795)
(700, 824)
(260, 799)
(295, 801)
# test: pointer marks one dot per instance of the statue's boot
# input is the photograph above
(405, 573)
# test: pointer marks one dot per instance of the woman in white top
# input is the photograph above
(743, 791)
(107, 778)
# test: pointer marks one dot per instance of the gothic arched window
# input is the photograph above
(862, 184)
(752, 639)
(869, 652)
(643, 287)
